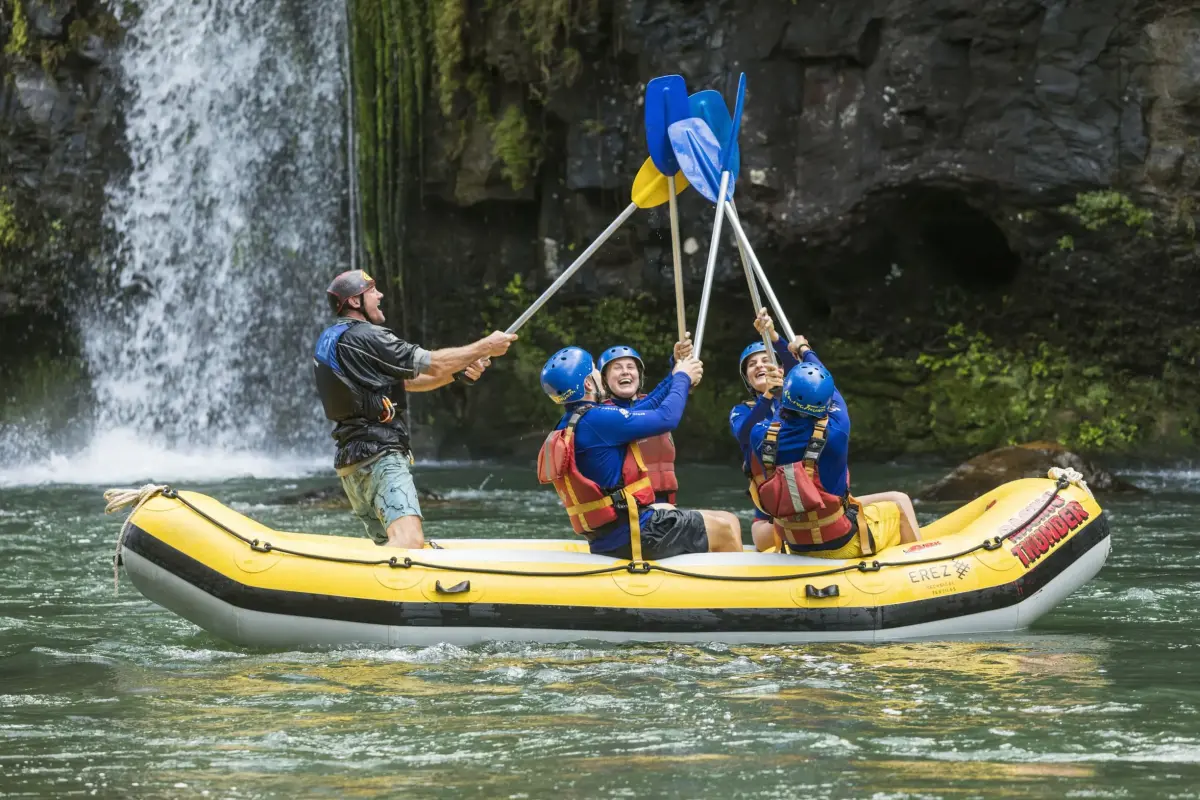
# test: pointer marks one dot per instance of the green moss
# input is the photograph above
(10, 229)
(982, 395)
(448, 52)
(516, 147)
(18, 38)
(52, 54)
(1099, 209)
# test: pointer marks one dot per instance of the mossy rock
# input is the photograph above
(1032, 460)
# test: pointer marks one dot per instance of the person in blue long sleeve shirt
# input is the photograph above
(889, 515)
(761, 379)
(623, 372)
(601, 444)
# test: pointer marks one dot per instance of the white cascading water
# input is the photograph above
(229, 227)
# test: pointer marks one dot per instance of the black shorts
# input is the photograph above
(669, 532)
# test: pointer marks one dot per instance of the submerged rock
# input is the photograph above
(985, 472)
(333, 497)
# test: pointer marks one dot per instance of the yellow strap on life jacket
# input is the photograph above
(810, 464)
(866, 541)
(813, 526)
(606, 501)
(635, 526)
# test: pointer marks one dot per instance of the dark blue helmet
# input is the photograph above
(564, 374)
(751, 349)
(808, 389)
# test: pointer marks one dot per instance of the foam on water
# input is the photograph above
(125, 456)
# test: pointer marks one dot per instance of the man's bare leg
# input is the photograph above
(763, 534)
(724, 531)
(406, 532)
(910, 529)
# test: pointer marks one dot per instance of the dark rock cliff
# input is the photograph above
(982, 213)
(60, 140)
(989, 204)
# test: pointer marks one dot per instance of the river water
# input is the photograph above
(109, 695)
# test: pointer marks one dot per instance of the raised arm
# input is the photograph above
(449, 360)
(655, 397)
(616, 426)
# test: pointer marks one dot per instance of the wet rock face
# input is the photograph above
(989, 470)
(893, 146)
(60, 139)
(904, 164)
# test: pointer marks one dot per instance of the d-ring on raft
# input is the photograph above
(996, 564)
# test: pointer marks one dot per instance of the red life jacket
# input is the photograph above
(804, 513)
(658, 453)
(588, 505)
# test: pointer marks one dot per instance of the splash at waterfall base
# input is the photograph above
(996, 564)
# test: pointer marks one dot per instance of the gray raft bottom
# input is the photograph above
(263, 629)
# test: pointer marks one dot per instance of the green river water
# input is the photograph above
(111, 696)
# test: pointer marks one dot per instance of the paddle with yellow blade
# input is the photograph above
(666, 103)
(650, 189)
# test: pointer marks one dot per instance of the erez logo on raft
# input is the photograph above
(1041, 535)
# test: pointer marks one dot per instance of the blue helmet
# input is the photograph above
(619, 351)
(564, 374)
(751, 349)
(808, 389)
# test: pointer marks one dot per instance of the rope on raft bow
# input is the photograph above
(117, 499)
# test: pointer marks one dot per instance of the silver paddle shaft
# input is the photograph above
(710, 268)
(571, 270)
(758, 272)
(754, 296)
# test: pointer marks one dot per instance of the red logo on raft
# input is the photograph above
(921, 546)
(1048, 530)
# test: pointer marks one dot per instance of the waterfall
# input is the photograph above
(228, 226)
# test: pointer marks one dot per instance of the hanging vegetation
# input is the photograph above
(405, 52)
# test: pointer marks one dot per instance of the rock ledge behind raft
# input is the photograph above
(985, 472)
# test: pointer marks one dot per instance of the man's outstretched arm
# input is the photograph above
(449, 360)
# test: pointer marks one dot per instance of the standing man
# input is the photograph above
(362, 371)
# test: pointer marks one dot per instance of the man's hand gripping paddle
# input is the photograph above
(666, 103)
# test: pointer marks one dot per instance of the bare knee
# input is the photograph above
(724, 531)
(406, 532)
(763, 534)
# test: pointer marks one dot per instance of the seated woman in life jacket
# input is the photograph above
(623, 372)
(593, 459)
(760, 379)
(799, 473)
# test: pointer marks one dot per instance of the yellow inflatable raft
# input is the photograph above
(996, 564)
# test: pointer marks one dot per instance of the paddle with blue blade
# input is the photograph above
(702, 159)
(666, 102)
(709, 106)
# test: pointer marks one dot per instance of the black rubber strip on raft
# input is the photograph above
(588, 618)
